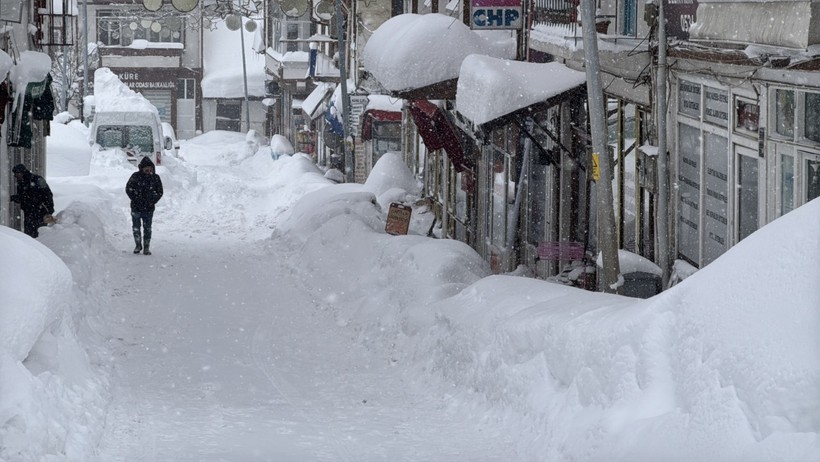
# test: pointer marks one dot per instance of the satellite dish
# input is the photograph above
(184, 6)
(233, 22)
(250, 26)
(152, 5)
(294, 8)
(323, 11)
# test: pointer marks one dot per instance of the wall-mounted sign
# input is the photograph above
(689, 98)
(496, 14)
(11, 11)
(680, 15)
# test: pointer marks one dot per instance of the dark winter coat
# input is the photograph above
(34, 196)
(144, 189)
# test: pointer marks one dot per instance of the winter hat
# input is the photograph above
(19, 168)
(146, 162)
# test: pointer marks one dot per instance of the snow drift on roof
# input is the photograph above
(489, 88)
(412, 51)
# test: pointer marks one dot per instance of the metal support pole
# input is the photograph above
(245, 77)
(663, 211)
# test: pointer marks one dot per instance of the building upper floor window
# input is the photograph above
(121, 27)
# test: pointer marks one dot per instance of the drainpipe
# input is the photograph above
(662, 217)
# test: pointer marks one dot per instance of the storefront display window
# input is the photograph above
(784, 113)
(786, 184)
(689, 192)
(812, 117)
(715, 198)
(122, 27)
(812, 174)
(748, 214)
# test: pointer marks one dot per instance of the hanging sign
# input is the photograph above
(496, 14)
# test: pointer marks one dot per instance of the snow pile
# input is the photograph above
(69, 153)
(725, 366)
(110, 94)
(405, 52)
(53, 400)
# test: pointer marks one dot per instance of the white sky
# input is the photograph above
(277, 321)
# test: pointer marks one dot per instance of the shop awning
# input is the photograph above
(376, 115)
(313, 104)
(438, 132)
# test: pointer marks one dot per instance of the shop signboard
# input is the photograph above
(496, 14)
(716, 106)
(11, 11)
(689, 192)
(680, 15)
(398, 219)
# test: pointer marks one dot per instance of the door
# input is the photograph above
(186, 108)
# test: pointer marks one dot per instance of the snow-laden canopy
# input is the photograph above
(489, 88)
(111, 94)
(222, 64)
(411, 51)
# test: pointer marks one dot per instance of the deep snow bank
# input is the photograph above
(51, 397)
(725, 366)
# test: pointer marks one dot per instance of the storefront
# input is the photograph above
(172, 90)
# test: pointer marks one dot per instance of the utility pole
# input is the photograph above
(662, 218)
(245, 76)
(84, 45)
(348, 154)
(607, 242)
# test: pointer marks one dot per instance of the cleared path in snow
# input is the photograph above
(221, 353)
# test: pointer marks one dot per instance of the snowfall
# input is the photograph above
(277, 321)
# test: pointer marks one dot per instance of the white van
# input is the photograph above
(136, 133)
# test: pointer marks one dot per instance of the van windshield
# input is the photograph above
(137, 137)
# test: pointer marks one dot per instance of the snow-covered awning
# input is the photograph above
(419, 56)
(490, 88)
(314, 105)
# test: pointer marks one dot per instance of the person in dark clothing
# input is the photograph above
(34, 197)
(144, 188)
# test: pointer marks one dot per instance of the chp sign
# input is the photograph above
(496, 14)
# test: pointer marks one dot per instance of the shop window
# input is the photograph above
(811, 120)
(784, 113)
(689, 193)
(748, 214)
(386, 138)
(229, 115)
(747, 115)
(186, 89)
(812, 175)
(499, 200)
(292, 34)
(715, 180)
(786, 184)
(716, 106)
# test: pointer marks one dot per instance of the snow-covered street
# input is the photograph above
(277, 321)
(222, 352)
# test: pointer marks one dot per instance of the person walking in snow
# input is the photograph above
(34, 197)
(144, 188)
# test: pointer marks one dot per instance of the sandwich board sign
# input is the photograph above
(398, 219)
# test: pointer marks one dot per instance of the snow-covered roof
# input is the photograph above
(411, 51)
(489, 88)
(222, 64)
